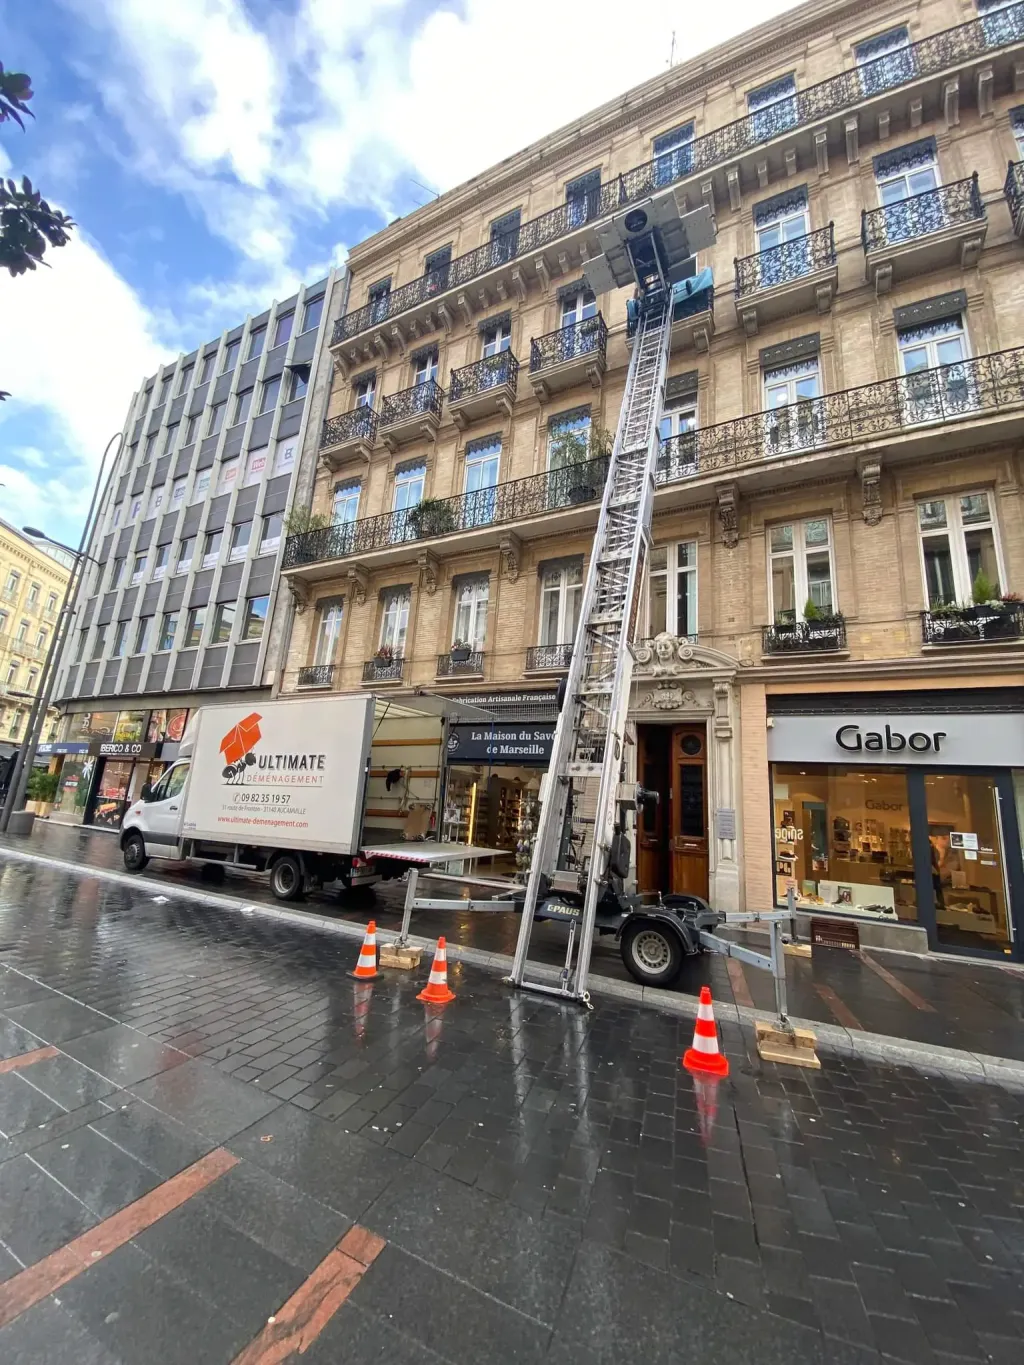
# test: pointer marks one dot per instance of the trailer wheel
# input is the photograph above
(133, 849)
(652, 953)
(286, 878)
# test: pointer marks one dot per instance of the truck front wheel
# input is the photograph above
(286, 878)
(133, 849)
(651, 952)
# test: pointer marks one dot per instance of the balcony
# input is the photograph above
(972, 625)
(813, 125)
(543, 504)
(452, 666)
(348, 436)
(486, 387)
(1013, 189)
(549, 658)
(411, 414)
(793, 277)
(693, 314)
(569, 357)
(380, 670)
(941, 228)
(825, 635)
(316, 675)
(986, 392)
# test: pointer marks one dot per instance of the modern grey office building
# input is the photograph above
(182, 599)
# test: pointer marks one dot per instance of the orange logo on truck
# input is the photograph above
(237, 745)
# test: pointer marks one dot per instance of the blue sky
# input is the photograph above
(217, 152)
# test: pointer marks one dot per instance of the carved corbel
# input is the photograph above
(399, 340)
(360, 583)
(869, 467)
(723, 710)
(1018, 76)
(702, 338)
(884, 118)
(300, 595)
(447, 317)
(951, 101)
(462, 303)
(732, 179)
(380, 345)
(342, 366)
(540, 265)
(883, 278)
(821, 150)
(985, 90)
(595, 374)
(852, 129)
(430, 572)
(915, 111)
(789, 156)
(707, 193)
(728, 514)
(483, 298)
(511, 549)
(564, 263)
(749, 319)
(969, 253)
(823, 297)
(519, 283)
(762, 173)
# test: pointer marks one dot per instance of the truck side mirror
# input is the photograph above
(147, 791)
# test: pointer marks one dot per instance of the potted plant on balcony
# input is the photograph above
(460, 651)
(385, 654)
(431, 517)
(573, 453)
(785, 621)
(822, 627)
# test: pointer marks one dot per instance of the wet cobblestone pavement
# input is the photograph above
(206, 1125)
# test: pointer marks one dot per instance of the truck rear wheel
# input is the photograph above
(286, 878)
(651, 952)
(133, 849)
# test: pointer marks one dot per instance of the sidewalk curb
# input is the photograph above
(982, 1068)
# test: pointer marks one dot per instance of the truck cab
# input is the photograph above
(152, 826)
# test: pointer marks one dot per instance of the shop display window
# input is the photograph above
(85, 725)
(130, 727)
(167, 725)
(112, 793)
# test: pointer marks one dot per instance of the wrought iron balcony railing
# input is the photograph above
(1013, 189)
(383, 670)
(789, 261)
(489, 373)
(970, 625)
(803, 637)
(968, 390)
(687, 306)
(937, 53)
(359, 424)
(448, 666)
(907, 219)
(316, 675)
(548, 658)
(420, 400)
(569, 343)
(505, 502)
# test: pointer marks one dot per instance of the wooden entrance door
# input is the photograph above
(688, 810)
(653, 767)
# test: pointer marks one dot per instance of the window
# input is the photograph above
(3, 623)
(575, 423)
(424, 367)
(168, 630)
(40, 639)
(497, 338)
(116, 573)
(902, 178)
(314, 312)
(800, 569)
(958, 541)
(673, 154)
(115, 520)
(142, 634)
(117, 648)
(270, 393)
(505, 237)
(165, 388)
(206, 370)
(156, 501)
(482, 461)
(255, 618)
(227, 476)
(436, 270)
(257, 340)
(177, 494)
(135, 509)
(284, 457)
(328, 632)
(364, 391)
(150, 443)
(298, 382)
(22, 634)
(408, 487)
(223, 620)
(201, 486)
(782, 226)
(216, 421)
(99, 643)
(194, 624)
(231, 356)
(32, 600)
(211, 549)
(773, 108)
(283, 330)
(377, 296)
(672, 589)
(794, 421)
(582, 198)
(185, 552)
(577, 311)
(83, 635)
(561, 592)
(885, 61)
(51, 603)
(255, 464)
(243, 402)
(185, 378)
(1002, 21)
(471, 600)
(15, 725)
(394, 621)
(33, 675)
(240, 540)
(192, 428)
(938, 383)
(1017, 127)
(578, 307)
(13, 584)
(346, 504)
(138, 569)
(12, 671)
(160, 562)
(679, 415)
(170, 436)
(271, 536)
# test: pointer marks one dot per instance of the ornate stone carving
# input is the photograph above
(300, 595)
(870, 471)
(430, 572)
(668, 697)
(360, 584)
(511, 549)
(728, 515)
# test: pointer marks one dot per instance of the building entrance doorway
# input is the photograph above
(672, 837)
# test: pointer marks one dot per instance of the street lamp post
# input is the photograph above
(54, 655)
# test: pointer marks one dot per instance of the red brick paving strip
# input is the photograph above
(841, 1011)
(41, 1054)
(300, 1321)
(34, 1283)
(911, 997)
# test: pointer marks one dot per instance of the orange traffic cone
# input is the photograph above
(436, 991)
(704, 1055)
(366, 967)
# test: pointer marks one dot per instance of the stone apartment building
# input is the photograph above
(179, 604)
(33, 577)
(828, 689)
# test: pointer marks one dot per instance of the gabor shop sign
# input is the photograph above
(853, 739)
(958, 739)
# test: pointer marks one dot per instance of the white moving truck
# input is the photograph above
(310, 790)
